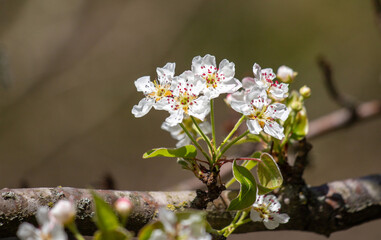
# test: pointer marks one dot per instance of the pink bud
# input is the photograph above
(64, 212)
(123, 206)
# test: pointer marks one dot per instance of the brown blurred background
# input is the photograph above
(67, 72)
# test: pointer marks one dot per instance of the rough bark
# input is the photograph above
(324, 209)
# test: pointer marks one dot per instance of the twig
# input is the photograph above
(335, 94)
(325, 209)
(377, 8)
(343, 118)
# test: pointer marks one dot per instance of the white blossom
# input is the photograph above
(286, 74)
(156, 92)
(178, 133)
(266, 209)
(260, 114)
(64, 211)
(263, 78)
(50, 228)
(216, 80)
(192, 228)
(186, 100)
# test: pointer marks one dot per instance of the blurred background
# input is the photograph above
(67, 72)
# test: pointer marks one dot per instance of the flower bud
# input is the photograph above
(286, 74)
(296, 106)
(64, 212)
(305, 91)
(123, 206)
(228, 99)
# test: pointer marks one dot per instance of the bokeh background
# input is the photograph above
(67, 72)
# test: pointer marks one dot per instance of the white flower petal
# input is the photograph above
(255, 216)
(175, 131)
(162, 104)
(58, 233)
(238, 96)
(277, 111)
(144, 85)
(279, 90)
(196, 65)
(204, 65)
(280, 218)
(274, 129)
(158, 234)
(229, 86)
(200, 108)
(253, 126)
(226, 69)
(27, 231)
(209, 60)
(211, 92)
(42, 215)
(175, 118)
(248, 83)
(271, 224)
(166, 73)
(206, 127)
(183, 142)
(259, 201)
(272, 202)
(168, 219)
(143, 107)
(241, 107)
(257, 71)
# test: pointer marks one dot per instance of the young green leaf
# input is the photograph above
(300, 128)
(116, 234)
(188, 151)
(105, 218)
(269, 175)
(146, 231)
(248, 190)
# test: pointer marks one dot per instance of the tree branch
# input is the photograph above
(324, 209)
(343, 118)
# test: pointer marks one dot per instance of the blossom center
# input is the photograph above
(160, 91)
(263, 211)
(185, 100)
(46, 236)
(212, 80)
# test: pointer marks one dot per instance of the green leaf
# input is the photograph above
(300, 128)
(184, 164)
(251, 164)
(188, 151)
(117, 234)
(105, 218)
(248, 190)
(269, 175)
(146, 231)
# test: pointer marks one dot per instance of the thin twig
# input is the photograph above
(335, 94)
(377, 8)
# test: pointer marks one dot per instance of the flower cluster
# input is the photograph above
(266, 209)
(260, 101)
(51, 222)
(191, 228)
(188, 94)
